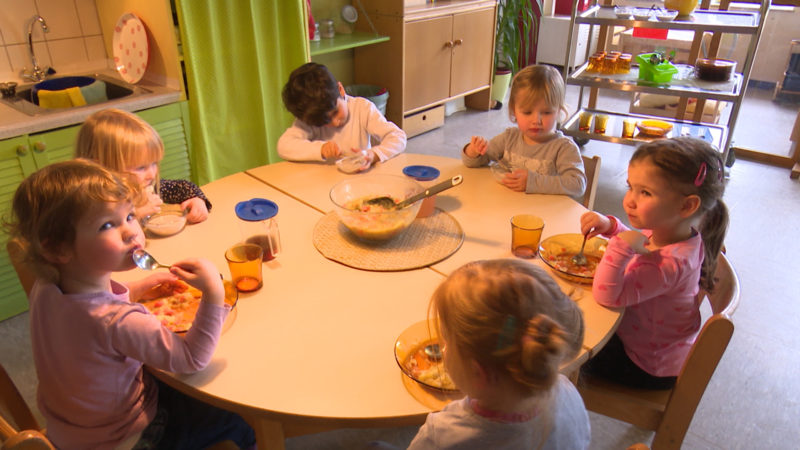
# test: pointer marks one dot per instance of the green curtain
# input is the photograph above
(238, 54)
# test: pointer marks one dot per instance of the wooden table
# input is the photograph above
(313, 349)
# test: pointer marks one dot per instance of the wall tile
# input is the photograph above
(14, 20)
(66, 52)
(61, 17)
(87, 13)
(18, 54)
(5, 66)
(95, 47)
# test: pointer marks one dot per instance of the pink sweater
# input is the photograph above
(89, 350)
(658, 291)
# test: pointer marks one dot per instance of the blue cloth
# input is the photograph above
(95, 92)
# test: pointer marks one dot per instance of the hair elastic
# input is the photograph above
(506, 336)
(701, 174)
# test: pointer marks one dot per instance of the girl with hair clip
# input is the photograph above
(123, 142)
(542, 159)
(506, 327)
(674, 196)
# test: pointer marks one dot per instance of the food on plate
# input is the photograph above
(427, 371)
(175, 303)
(564, 263)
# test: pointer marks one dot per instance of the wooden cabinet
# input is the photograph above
(21, 156)
(437, 52)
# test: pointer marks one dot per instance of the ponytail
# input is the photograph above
(712, 228)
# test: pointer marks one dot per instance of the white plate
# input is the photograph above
(131, 50)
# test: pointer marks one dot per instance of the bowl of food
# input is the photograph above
(557, 252)
(417, 353)
(365, 205)
(500, 169)
(666, 15)
(169, 221)
(714, 69)
(654, 128)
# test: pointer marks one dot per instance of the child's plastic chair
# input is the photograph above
(669, 412)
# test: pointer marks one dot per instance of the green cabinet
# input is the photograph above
(20, 156)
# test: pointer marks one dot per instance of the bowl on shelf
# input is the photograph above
(623, 12)
(369, 222)
(666, 15)
(557, 252)
(654, 128)
(714, 69)
(641, 13)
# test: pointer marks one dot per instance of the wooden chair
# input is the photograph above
(592, 168)
(26, 277)
(669, 412)
(19, 429)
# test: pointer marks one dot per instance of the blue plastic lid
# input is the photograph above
(256, 209)
(421, 173)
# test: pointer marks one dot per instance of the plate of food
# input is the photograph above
(654, 128)
(175, 304)
(557, 252)
(417, 353)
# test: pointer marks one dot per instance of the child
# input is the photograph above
(506, 327)
(123, 142)
(331, 124)
(76, 224)
(675, 188)
(543, 160)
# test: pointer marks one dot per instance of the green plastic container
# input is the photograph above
(661, 73)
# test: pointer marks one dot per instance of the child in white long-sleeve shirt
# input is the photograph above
(544, 161)
(330, 124)
(76, 224)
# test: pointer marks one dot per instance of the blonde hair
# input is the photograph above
(537, 82)
(119, 140)
(48, 204)
(510, 316)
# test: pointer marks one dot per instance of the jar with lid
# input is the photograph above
(259, 225)
(327, 29)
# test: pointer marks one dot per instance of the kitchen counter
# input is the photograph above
(15, 123)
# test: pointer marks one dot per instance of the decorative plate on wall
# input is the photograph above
(131, 50)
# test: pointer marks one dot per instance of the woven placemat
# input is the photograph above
(426, 241)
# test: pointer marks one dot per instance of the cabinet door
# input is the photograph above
(171, 123)
(16, 162)
(53, 146)
(427, 61)
(472, 52)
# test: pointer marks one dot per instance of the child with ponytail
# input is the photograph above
(674, 197)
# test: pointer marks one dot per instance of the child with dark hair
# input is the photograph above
(330, 124)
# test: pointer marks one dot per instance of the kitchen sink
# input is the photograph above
(23, 100)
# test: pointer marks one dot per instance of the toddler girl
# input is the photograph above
(76, 225)
(506, 327)
(123, 142)
(543, 160)
(674, 196)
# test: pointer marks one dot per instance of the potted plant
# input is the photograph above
(515, 40)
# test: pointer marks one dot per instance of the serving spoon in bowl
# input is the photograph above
(389, 204)
(146, 261)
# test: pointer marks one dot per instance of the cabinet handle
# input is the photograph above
(22, 150)
(448, 44)
(458, 42)
(39, 146)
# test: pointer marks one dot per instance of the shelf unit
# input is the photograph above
(344, 42)
(684, 85)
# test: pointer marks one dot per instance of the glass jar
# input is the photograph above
(259, 225)
(609, 65)
(326, 29)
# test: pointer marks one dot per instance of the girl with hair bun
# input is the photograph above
(505, 328)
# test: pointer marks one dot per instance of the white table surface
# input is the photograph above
(313, 348)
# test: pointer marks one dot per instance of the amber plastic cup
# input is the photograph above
(244, 262)
(600, 122)
(585, 121)
(526, 231)
(628, 128)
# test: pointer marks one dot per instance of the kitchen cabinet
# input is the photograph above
(22, 155)
(685, 86)
(437, 52)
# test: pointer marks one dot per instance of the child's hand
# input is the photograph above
(143, 289)
(152, 206)
(636, 240)
(476, 147)
(592, 219)
(196, 210)
(516, 180)
(202, 274)
(330, 150)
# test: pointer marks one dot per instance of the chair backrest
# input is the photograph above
(26, 277)
(18, 426)
(669, 413)
(592, 168)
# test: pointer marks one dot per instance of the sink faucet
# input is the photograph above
(36, 73)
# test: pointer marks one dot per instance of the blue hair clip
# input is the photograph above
(506, 336)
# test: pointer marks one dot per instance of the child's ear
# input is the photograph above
(341, 88)
(484, 376)
(691, 203)
(57, 255)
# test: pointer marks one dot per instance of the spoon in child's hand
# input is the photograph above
(580, 258)
(146, 261)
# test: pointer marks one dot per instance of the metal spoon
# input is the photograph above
(146, 261)
(388, 202)
(433, 351)
(580, 258)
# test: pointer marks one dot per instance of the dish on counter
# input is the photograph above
(557, 252)
(130, 47)
(666, 15)
(642, 13)
(175, 304)
(353, 163)
(415, 363)
(714, 69)
(623, 12)
(654, 128)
